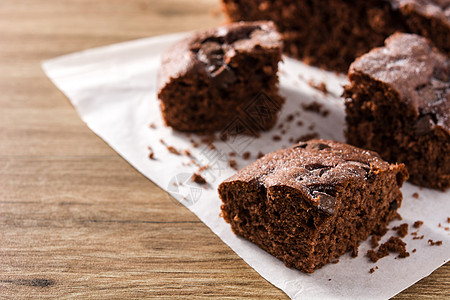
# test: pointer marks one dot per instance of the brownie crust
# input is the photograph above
(398, 104)
(311, 203)
(429, 18)
(217, 75)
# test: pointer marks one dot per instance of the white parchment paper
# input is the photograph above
(113, 89)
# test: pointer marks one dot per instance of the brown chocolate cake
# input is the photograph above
(430, 18)
(311, 203)
(398, 104)
(329, 34)
(222, 75)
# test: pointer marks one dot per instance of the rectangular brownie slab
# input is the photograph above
(309, 204)
(398, 104)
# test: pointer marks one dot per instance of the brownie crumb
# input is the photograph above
(414, 251)
(202, 168)
(151, 155)
(335, 261)
(232, 154)
(276, 138)
(329, 279)
(290, 118)
(432, 243)
(173, 150)
(152, 126)
(354, 251)
(446, 228)
(374, 242)
(187, 153)
(319, 86)
(394, 244)
(418, 237)
(417, 224)
(260, 154)
(246, 155)
(283, 131)
(311, 127)
(299, 123)
(448, 219)
(415, 195)
(402, 230)
(372, 270)
(398, 217)
(316, 107)
(197, 178)
(233, 164)
(162, 142)
(307, 137)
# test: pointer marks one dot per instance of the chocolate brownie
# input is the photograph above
(329, 34)
(430, 18)
(220, 76)
(311, 203)
(398, 104)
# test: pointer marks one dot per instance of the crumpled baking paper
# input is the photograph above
(113, 89)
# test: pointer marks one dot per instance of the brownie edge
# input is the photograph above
(312, 202)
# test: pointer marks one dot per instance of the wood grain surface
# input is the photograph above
(76, 221)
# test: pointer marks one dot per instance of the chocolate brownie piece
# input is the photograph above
(220, 76)
(329, 34)
(398, 104)
(311, 203)
(430, 18)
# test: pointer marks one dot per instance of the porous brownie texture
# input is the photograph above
(329, 34)
(429, 18)
(309, 204)
(220, 76)
(398, 104)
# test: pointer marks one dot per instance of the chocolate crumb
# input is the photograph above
(394, 244)
(415, 195)
(246, 155)
(299, 123)
(335, 261)
(322, 87)
(151, 155)
(173, 150)
(162, 142)
(232, 154)
(202, 168)
(417, 224)
(398, 217)
(290, 118)
(260, 154)
(355, 251)
(316, 107)
(402, 230)
(432, 243)
(187, 153)
(329, 279)
(152, 126)
(418, 237)
(448, 219)
(414, 251)
(446, 228)
(233, 164)
(311, 127)
(197, 178)
(372, 270)
(283, 131)
(276, 138)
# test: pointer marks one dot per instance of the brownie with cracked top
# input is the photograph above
(222, 76)
(309, 204)
(429, 18)
(398, 104)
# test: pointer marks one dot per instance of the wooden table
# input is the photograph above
(77, 220)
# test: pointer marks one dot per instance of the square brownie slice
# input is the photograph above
(398, 104)
(429, 18)
(328, 34)
(311, 203)
(223, 75)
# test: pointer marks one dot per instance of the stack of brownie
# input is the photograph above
(311, 203)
